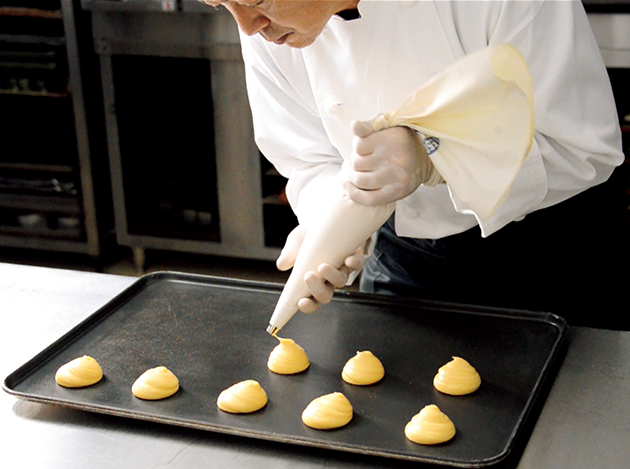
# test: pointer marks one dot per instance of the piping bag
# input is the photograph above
(478, 114)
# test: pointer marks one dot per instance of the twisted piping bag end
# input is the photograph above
(381, 122)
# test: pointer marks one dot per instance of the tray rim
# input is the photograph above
(111, 306)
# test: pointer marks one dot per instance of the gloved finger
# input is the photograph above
(354, 193)
(370, 198)
(362, 129)
(365, 146)
(362, 181)
(308, 305)
(356, 261)
(357, 195)
(376, 179)
(322, 291)
(385, 144)
(289, 252)
(366, 161)
(336, 277)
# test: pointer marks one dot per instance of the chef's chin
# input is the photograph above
(295, 40)
(299, 43)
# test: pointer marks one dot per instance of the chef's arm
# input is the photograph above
(287, 126)
(577, 139)
(289, 132)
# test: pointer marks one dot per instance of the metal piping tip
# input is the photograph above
(273, 330)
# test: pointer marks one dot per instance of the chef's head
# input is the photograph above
(296, 23)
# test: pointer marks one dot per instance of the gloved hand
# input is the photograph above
(386, 165)
(322, 283)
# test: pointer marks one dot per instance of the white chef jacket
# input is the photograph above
(303, 100)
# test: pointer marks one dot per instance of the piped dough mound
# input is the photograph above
(457, 378)
(327, 412)
(243, 398)
(78, 373)
(363, 369)
(430, 427)
(155, 383)
(288, 358)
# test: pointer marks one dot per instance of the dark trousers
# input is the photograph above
(570, 259)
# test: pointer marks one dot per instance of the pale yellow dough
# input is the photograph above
(457, 378)
(363, 369)
(329, 411)
(430, 427)
(287, 358)
(243, 398)
(155, 383)
(80, 372)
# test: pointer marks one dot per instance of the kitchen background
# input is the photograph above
(126, 142)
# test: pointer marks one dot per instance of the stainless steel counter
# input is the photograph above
(583, 423)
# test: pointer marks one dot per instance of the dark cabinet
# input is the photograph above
(186, 173)
(53, 171)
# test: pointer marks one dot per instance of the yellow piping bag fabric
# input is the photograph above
(482, 111)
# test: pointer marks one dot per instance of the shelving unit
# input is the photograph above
(619, 79)
(610, 21)
(48, 193)
(278, 216)
(186, 173)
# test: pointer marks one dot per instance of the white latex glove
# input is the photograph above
(386, 165)
(322, 283)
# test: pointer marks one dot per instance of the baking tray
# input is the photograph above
(211, 333)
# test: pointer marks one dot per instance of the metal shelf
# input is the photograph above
(166, 6)
(39, 94)
(33, 39)
(41, 203)
(166, 38)
(30, 12)
(611, 32)
(42, 168)
(29, 217)
(43, 232)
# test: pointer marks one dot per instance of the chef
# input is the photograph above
(318, 72)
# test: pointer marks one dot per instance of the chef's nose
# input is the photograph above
(248, 19)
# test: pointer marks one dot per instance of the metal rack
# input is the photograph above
(50, 178)
(206, 178)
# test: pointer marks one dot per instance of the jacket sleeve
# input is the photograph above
(287, 125)
(577, 140)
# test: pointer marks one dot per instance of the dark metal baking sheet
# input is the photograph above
(211, 333)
